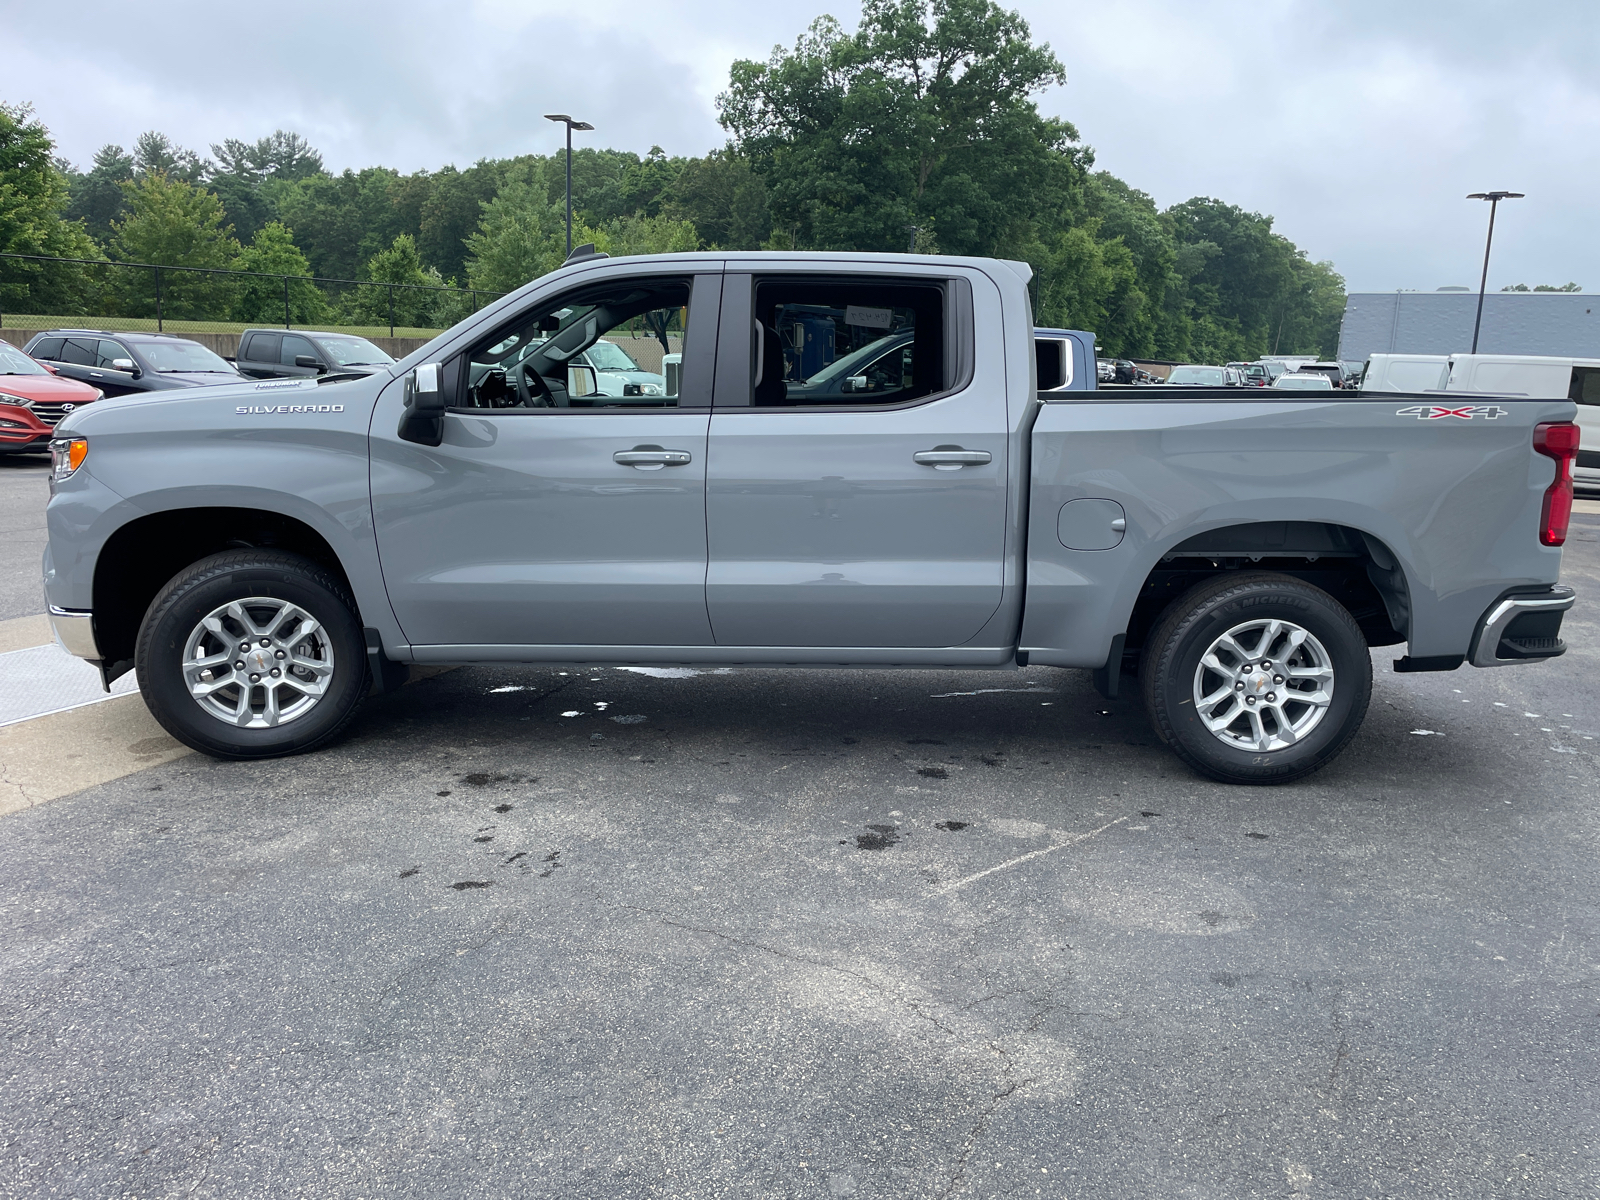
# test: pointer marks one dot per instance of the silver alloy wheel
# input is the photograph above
(258, 663)
(1263, 685)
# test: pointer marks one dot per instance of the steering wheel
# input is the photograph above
(522, 376)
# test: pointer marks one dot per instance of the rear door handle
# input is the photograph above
(951, 458)
(652, 458)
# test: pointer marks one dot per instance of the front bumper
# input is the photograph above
(1522, 628)
(27, 442)
(75, 632)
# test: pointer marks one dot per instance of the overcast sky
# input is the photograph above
(1358, 124)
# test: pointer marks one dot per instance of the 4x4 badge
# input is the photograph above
(1432, 412)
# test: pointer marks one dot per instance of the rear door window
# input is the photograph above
(81, 352)
(850, 343)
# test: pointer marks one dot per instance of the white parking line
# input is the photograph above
(42, 680)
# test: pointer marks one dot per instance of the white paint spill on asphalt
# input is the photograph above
(1427, 733)
(677, 672)
(987, 691)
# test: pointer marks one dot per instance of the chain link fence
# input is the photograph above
(40, 291)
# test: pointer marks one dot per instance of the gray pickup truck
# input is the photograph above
(266, 554)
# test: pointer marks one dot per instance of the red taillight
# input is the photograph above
(1557, 440)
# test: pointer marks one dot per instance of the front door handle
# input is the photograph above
(652, 458)
(951, 458)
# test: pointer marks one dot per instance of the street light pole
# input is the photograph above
(571, 125)
(1494, 199)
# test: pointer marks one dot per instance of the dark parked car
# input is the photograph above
(283, 353)
(1335, 373)
(123, 364)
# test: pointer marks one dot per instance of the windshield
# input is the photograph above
(608, 356)
(1204, 376)
(858, 358)
(183, 356)
(353, 352)
(15, 362)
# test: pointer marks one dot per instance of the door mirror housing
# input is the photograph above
(422, 420)
(309, 361)
(125, 364)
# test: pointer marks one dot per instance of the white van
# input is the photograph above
(1544, 377)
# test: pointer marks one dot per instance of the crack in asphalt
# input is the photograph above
(1007, 1065)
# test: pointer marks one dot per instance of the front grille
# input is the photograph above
(51, 413)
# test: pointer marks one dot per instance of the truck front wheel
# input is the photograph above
(1256, 678)
(252, 654)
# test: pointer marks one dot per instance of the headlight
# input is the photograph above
(66, 456)
(651, 389)
(19, 401)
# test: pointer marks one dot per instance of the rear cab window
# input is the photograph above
(853, 342)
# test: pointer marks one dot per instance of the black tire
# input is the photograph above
(213, 582)
(1187, 631)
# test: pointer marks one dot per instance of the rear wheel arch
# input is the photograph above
(1357, 568)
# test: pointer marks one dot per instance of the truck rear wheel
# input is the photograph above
(1256, 678)
(252, 654)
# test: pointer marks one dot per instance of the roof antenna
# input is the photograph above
(584, 251)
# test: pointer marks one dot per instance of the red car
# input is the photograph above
(32, 400)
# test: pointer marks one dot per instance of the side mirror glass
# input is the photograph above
(422, 420)
(581, 381)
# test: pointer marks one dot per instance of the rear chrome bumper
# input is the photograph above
(1519, 629)
(75, 632)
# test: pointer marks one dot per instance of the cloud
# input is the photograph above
(1359, 125)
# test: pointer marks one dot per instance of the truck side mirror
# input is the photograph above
(125, 364)
(422, 420)
(309, 360)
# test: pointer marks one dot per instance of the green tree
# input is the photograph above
(155, 153)
(521, 236)
(33, 195)
(923, 117)
(723, 198)
(97, 196)
(339, 221)
(172, 223)
(404, 303)
(272, 251)
(245, 171)
(1543, 287)
(441, 209)
(638, 234)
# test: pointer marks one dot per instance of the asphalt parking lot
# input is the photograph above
(872, 934)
